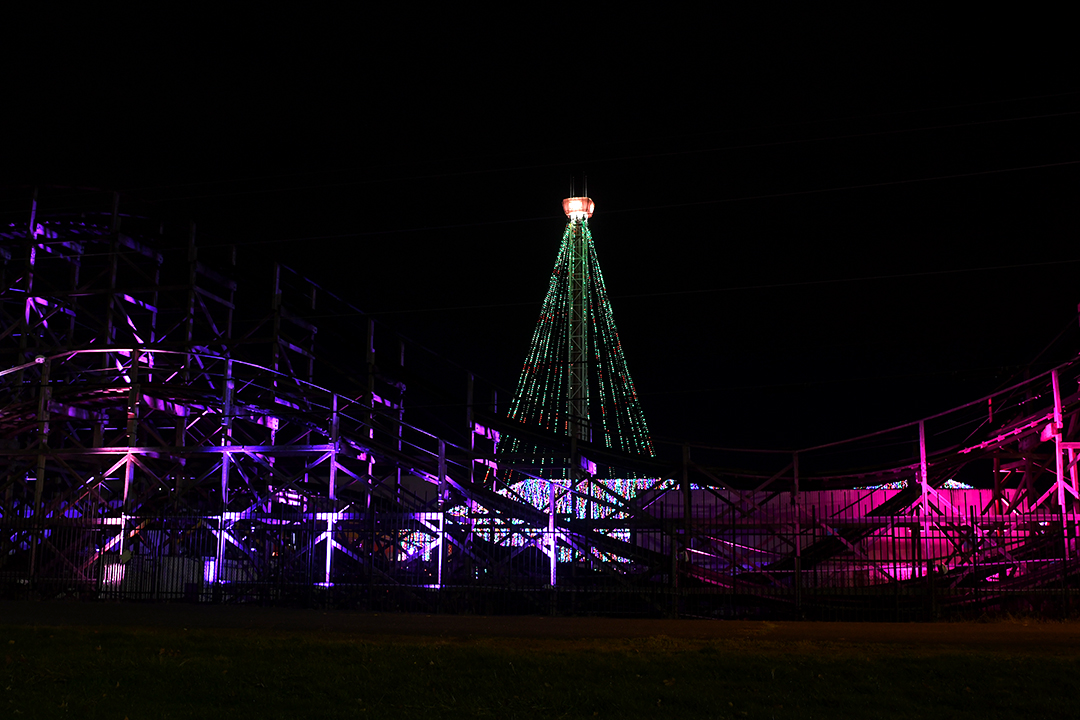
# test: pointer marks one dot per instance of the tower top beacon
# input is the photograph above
(578, 208)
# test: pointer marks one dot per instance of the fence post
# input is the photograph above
(687, 523)
(442, 513)
(226, 460)
(798, 533)
(38, 530)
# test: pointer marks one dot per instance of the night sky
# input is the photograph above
(810, 227)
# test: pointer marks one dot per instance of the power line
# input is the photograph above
(841, 188)
(849, 118)
(866, 278)
(833, 381)
(744, 198)
(537, 166)
(737, 288)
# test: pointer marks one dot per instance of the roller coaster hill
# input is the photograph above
(175, 429)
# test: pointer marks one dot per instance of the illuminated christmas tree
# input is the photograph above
(575, 381)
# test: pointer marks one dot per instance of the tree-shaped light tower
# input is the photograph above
(575, 381)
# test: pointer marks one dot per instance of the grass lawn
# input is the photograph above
(142, 673)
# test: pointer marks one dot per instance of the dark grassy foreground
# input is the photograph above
(175, 673)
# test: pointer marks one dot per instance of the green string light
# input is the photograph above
(615, 417)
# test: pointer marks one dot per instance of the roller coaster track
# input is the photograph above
(163, 437)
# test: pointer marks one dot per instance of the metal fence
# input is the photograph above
(821, 555)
